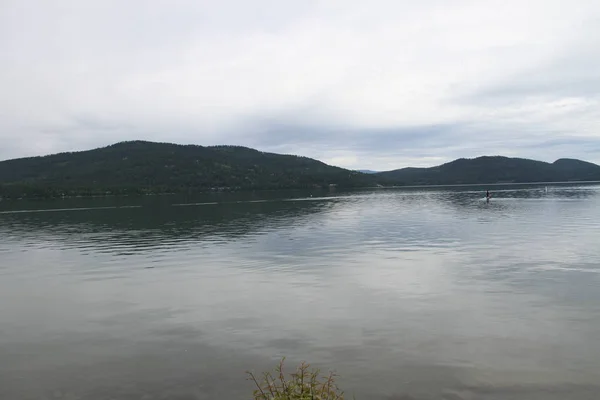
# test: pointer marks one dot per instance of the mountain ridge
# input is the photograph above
(496, 169)
(143, 167)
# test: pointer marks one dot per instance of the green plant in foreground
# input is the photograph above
(304, 384)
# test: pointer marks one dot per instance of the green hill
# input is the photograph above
(494, 170)
(147, 167)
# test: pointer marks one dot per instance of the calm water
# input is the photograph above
(407, 294)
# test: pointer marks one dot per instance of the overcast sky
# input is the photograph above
(360, 84)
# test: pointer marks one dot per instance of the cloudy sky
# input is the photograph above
(361, 84)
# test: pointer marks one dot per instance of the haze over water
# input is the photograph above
(422, 293)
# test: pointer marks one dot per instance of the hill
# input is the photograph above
(494, 170)
(148, 167)
(140, 167)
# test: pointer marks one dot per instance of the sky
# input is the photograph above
(359, 84)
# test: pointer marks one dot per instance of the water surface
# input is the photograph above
(407, 294)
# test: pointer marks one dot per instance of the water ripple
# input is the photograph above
(459, 296)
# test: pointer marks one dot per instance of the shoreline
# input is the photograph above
(328, 189)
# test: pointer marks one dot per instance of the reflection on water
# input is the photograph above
(408, 294)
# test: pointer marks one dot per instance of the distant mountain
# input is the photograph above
(494, 170)
(366, 171)
(148, 167)
(140, 167)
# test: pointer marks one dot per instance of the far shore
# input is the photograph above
(328, 189)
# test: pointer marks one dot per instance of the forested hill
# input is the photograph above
(494, 170)
(148, 167)
(145, 167)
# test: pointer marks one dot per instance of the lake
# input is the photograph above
(405, 293)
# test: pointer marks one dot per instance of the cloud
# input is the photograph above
(380, 85)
